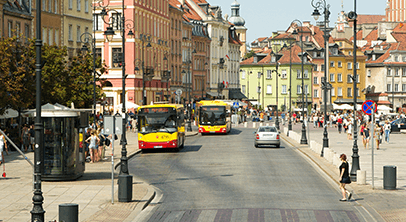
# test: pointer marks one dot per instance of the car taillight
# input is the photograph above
(257, 136)
(277, 136)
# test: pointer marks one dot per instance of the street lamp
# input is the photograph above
(124, 179)
(290, 88)
(322, 5)
(277, 93)
(85, 39)
(166, 76)
(37, 212)
(145, 76)
(189, 89)
(303, 140)
(355, 156)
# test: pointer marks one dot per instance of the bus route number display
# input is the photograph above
(211, 109)
(155, 110)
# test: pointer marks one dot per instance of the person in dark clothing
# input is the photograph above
(344, 178)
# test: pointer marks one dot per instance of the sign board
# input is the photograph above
(178, 92)
(368, 107)
(236, 105)
(108, 125)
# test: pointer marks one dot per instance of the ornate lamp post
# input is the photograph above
(355, 156)
(277, 93)
(166, 76)
(85, 39)
(322, 5)
(37, 212)
(141, 62)
(303, 139)
(124, 179)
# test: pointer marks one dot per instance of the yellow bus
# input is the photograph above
(214, 116)
(161, 126)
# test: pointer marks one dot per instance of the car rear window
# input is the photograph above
(267, 129)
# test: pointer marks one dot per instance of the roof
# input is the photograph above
(362, 19)
(190, 13)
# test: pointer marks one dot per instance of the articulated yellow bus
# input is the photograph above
(214, 116)
(161, 126)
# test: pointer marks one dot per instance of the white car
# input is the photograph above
(267, 135)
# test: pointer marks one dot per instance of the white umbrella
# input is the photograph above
(9, 113)
(128, 105)
(384, 108)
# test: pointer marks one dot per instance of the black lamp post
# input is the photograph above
(145, 76)
(37, 212)
(124, 179)
(303, 139)
(166, 76)
(277, 93)
(85, 39)
(322, 5)
(290, 88)
(355, 156)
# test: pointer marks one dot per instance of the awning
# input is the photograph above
(236, 94)
(9, 113)
(214, 94)
(348, 101)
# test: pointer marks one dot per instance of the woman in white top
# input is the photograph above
(3, 144)
(93, 140)
(349, 129)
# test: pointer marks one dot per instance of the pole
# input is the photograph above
(355, 156)
(290, 89)
(303, 140)
(37, 212)
(94, 70)
(372, 143)
(112, 158)
(277, 99)
(144, 97)
(325, 134)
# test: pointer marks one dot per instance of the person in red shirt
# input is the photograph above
(339, 124)
(294, 118)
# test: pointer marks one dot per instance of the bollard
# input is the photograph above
(254, 125)
(69, 212)
(389, 177)
(361, 177)
(267, 124)
(260, 124)
(245, 124)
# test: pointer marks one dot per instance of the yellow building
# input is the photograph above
(341, 71)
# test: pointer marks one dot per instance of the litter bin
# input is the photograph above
(389, 177)
(69, 212)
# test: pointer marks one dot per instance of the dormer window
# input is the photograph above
(314, 54)
(396, 58)
(373, 57)
(255, 59)
(273, 59)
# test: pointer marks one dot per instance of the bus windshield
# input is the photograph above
(212, 115)
(157, 123)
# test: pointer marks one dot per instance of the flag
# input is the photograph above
(228, 57)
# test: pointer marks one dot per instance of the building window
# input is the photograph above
(116, 56)
(284, 89)
(315, 80)
(299, 74)
(389, 72)
(299, 89)
(44, 5)
(396, 58)
(243, 89)
(349, 78)
(306, 89)
(316, 93)
(56, 6)
(315, 67)
(339, 91)
(404, 87)
(332, 77)
(333, 91)
(397, 72)
(339, 64)
(70, 33)
(70, 4)
(259, 75)
(78, 33)
(396, 87)
(369, 73)
(284, 74)
(322, 68)
(339, 77)
(44, 34)
(18, 29)
(10, 28)
(349, 65)
(357, 79)
(349, 92)
(49, 5)
(306, 74)
(268, 89)
(27, 31)
(243, 74)
(50, 35)
(86, 6)
(56, 36)
(331, 63)
(269, 74)
(78, 3)
(388, 87)
(404, 72)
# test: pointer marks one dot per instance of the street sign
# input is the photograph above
(368, 106)
(179, 92)
(108, 125)
(236, 105)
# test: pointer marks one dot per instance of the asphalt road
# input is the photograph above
(225, 178)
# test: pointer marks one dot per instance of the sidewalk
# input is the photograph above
(384, 205)
(92, 191)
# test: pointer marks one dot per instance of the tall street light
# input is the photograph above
(85, 39)
(145, 76)
(189, 88)
(303, 139)
(290, 86)
(124, 179)
(166, 75)
(355, 157)
(277, 93)
(37, 212)
(322, 5)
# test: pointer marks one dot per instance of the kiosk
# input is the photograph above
(63, 158)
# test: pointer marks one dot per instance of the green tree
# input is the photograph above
(249, 54)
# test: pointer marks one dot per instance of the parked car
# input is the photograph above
(267, 135)
(397, 125)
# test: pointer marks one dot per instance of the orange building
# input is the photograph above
(51, 21)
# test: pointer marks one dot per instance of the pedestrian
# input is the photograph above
(387, 129)
(377, 135)
(344, 178)
(102, 138)
(339, 124)
(32, 137)
(93, 140)
(366, 136)
(349, 128)
(25, 138)
(3, 146)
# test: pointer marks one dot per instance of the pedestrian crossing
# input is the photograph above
(253, 215)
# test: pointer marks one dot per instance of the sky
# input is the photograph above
(262, 17)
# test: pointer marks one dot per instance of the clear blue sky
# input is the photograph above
(262, 17)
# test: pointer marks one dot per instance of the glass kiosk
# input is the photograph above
(63, 158)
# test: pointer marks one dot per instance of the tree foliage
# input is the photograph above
(64, 80)
(249, 54)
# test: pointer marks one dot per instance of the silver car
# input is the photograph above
(267, 135)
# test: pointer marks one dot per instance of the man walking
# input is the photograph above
(387, 129)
